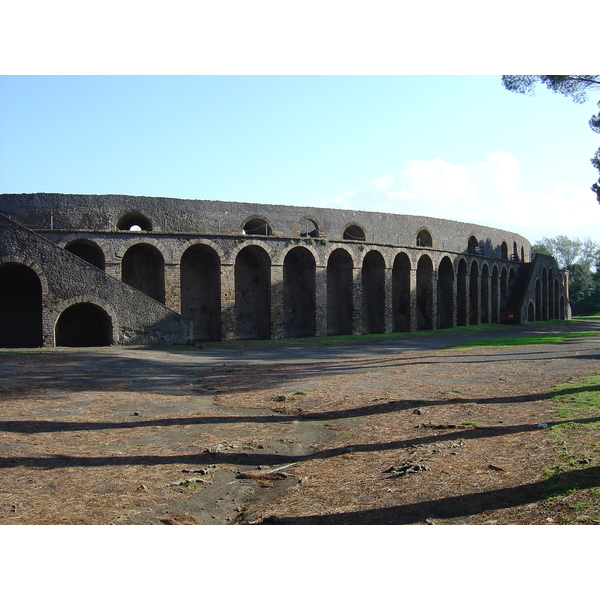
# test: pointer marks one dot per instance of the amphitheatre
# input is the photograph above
(99, 270)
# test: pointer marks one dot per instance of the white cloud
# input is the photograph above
(488, 192)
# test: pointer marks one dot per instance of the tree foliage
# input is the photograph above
(572, 86)
(582, 259)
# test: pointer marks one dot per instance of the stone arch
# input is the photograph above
(401, 293)
(252, 273)
(473, 245)
(84, 324)
(461, 293)
(20, 306)
(544, 312)
(538, 300)
(485, 294)
(531, 312)
(134, 220)
(339, 293)
(445, 294)
(515, 254)
(309, 227)
(89, 251)
(143, 267)
(424, 238)
(503, 287)
(299, 293)
(504, 250)
(425, 292)
(474, 299)
(200, 285)
(354, 232)
(257, 225)
(373, 293)
(555, 297)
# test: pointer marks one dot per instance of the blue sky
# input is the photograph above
(457, 147)
(236, 126)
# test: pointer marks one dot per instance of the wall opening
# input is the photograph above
(309, 229)
(20, 307)
(88, 251)
(84, 324)
(354, 232)
(425, 293)
(373, 293)
(299, 293)
(143, 267)
(495, 317)
(257, 227)
(445, 294)
(485, 294)
(401, 293)
(253, 294)
(339, 293)
(504, 251)
(473, 246)
(134, 221)
(424, 238)
(200, 272)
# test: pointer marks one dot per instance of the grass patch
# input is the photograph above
(526, 340)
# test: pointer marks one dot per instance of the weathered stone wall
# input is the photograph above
(67, 280)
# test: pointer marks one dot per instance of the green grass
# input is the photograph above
(526, 340)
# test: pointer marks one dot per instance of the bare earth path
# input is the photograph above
(398, 431)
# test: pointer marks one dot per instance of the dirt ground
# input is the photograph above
(396, 431)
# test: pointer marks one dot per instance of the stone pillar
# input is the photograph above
(434, 300)
(173, 287)
(321, 301)
(227, 302)
(357, 301)
(413, 298)
(277, 308)
(388, 306)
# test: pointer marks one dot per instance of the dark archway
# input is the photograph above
(88, 251)
(253, 294)
(401, 293)
(504, 251)
(339, 293)
(299, 293)
(495, 295)
(425, 293)
(143, 267)
(445, 294)
(373, 293)
(257, 226)
(20, 307)
(309, 229)
(84, 324)
(424, 238)
(201, 291)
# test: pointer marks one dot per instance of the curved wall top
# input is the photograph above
(42, 211)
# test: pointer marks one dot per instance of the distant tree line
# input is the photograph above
(582, 259)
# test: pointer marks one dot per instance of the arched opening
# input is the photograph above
(515, 255)
(201, 291)
(253, 294)
(531, 312)
(309, 229)
(134, 221)
(538, 300)
(84, 324)
(20, 307)
(474, 303)
(445, 294)
(485, 294)
(495, 295)
(544, 313)
(88, 251)
(354, 232)
(143, 267)
(401, 293)
(461, 294)
(339, 293)
(504, 251)
(425, 293)
(556, 309)
(373, 293)
(503, 288)
(299, 293)
(424, 238)
(473, 246)
(257, 226)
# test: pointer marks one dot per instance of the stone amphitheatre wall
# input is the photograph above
(251, 271)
